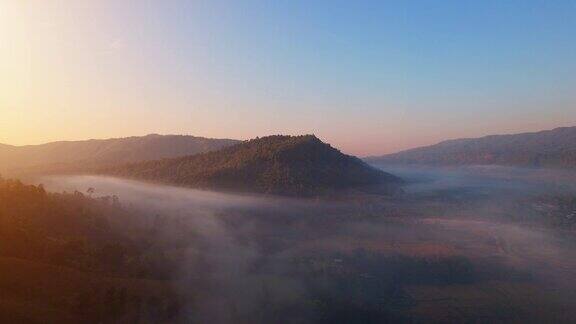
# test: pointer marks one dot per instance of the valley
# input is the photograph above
(429, 255)
(290, 162)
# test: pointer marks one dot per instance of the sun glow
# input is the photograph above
(15, 69)
(81, 69)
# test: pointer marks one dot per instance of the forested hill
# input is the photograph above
(554, 148)
(80, 155)
(284, 165)
(71, 258)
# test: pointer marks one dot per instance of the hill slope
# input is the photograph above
(72, 155)
(71, 258)
(551, 148)
(286, 165)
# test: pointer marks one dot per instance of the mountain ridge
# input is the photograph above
(554, 148)
(278, 164)
(69, 155)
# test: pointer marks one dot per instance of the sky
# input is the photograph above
(368, 76)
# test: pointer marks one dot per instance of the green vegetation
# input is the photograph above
(283, 165)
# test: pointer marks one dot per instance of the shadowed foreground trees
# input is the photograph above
(68, 258)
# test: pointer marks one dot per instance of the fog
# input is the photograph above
(486, 238)
(484, 177)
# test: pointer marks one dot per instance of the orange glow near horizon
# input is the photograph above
(72, 70)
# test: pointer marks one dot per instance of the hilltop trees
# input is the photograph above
(283, 165)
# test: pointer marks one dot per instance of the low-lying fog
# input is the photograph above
(462, 244)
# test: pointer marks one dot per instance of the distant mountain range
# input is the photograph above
(554, 148)
(283, 165)
(79, 155)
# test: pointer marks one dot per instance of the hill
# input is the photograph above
(554, 148)
(71, 258)
(77, 155)
(284, 165)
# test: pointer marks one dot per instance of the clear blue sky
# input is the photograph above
(368, 76)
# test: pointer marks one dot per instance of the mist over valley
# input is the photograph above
(457, 245)
(290, 162)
